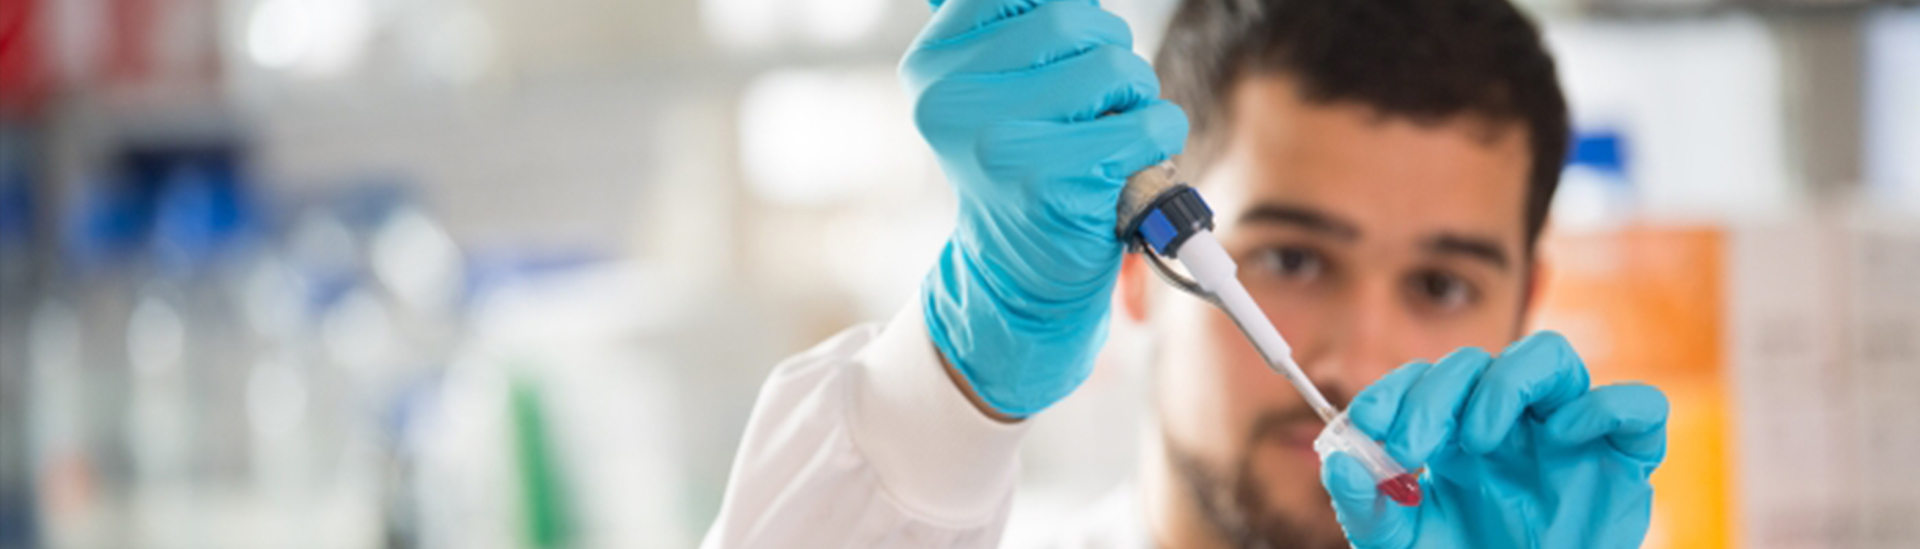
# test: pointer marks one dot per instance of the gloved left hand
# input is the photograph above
(1519, 452)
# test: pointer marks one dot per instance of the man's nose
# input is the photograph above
(1361, 341)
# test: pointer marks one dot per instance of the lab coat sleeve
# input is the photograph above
(863, 441)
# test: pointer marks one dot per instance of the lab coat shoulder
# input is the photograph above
(863, 441)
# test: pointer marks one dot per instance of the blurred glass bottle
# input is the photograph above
(386, 313)
(17, 289)
(299, 411)
(188, 354)
(268, 425)
(1595, 190)
(79, 369)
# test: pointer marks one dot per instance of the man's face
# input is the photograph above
(1370, 242)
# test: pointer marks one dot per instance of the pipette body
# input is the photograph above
(1215, 271)
(1167, 218)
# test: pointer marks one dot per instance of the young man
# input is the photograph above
(1380, 169)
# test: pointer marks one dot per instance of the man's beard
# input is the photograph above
(1234, 503)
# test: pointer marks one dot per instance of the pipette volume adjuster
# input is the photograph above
(1173, 218)
(1159, 212)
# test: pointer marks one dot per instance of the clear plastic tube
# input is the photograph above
(1392, 479)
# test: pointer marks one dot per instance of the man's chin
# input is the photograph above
(1282, 485)
(1269, 498)
(1299, 526)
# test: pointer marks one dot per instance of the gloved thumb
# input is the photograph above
(1370, 519)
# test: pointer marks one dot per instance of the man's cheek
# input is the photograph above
(1195, 384)
(1244, 369)
(1247, 378)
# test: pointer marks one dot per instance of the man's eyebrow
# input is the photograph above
(1303, 217)
(1484, 249)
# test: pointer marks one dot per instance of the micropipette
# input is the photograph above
(1160, 217)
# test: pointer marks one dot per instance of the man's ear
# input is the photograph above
(1537, 271)
(1135, 276)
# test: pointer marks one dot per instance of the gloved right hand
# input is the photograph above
(1038, 111)
(1520, 451)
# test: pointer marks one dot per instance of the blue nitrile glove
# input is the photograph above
(1038, 111)
(1519, 453)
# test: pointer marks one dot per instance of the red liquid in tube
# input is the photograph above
(1403, 489)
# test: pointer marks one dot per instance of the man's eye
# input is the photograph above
(1443, 291)
(1292, 263)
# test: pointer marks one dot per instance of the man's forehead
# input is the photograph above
(1399, 177)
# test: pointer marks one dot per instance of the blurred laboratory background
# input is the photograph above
(508, 273)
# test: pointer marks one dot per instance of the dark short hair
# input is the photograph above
(1423, 60)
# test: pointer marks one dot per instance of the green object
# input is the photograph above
(548, 518)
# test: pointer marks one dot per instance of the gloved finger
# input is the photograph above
(1104, 152)
(1102, 81)
(1369, 519)
(1373, 410)
(1432, 406)
(1539, 373)
(1632, 417)
(1083, 258)
(953, 18)
(1050, 33)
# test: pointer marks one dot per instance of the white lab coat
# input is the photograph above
(863, 441)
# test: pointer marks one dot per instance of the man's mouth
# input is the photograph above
(1292, 433)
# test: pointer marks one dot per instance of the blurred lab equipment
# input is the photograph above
(467, 142)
